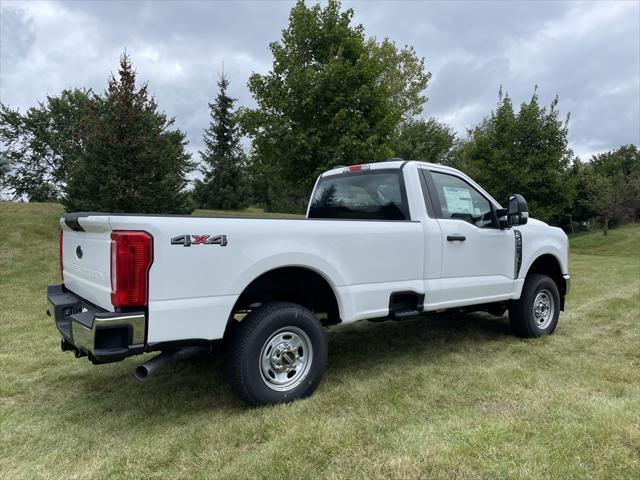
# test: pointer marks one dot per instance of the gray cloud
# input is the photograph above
(16, 38)
(586, 52)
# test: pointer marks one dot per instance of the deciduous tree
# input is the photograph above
(39, 146)
(333, 96)
(614, 185)
(426, 140)
(524, 151)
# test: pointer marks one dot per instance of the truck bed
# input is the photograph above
(192, 289)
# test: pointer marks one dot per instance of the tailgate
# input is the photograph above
(86, 258)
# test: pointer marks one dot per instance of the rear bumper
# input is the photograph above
(567, 283)
(88, 330)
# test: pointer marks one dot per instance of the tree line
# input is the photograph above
(333, 97)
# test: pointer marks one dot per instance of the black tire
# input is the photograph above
(522, 318)
(247, 340)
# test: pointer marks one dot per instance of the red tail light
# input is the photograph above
(131, 259)
(61, 266)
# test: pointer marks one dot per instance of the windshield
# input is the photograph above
(376, 195)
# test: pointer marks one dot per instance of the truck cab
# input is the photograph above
(472, 247)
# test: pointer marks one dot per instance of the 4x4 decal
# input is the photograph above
(188, 240)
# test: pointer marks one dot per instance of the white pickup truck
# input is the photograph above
(389, 240)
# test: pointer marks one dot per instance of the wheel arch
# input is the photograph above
(301, 284)
(548, 264)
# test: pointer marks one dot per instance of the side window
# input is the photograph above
(461, 201)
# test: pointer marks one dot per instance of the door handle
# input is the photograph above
(454, 238)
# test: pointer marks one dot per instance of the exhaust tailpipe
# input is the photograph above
(169, 356)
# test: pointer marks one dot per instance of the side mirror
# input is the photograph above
(517, 210)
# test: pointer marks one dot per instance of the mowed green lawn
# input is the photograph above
(444, 398)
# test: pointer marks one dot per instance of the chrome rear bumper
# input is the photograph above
(88, 330)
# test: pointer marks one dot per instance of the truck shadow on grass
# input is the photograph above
(361, 351)
(365, 343)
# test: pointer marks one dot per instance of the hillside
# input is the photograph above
(446, 397)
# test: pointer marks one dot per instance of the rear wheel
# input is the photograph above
(276, 354)
(536, 312)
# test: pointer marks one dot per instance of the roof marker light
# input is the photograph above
(357, 168)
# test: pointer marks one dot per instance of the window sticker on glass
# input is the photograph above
(458, 200)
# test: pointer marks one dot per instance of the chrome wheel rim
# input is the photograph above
(285, 359)
(543, 309)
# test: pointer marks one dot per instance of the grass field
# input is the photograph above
(442, 398)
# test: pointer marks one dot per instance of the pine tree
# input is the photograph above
(133, 160)
(222, 186)
(4, 166)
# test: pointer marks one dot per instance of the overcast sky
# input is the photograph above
(586, 52)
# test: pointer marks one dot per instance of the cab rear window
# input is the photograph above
(370, 195)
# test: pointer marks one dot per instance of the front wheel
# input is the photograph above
(536, 312)
(276, 354)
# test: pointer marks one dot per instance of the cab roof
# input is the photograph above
(386, 164)
(400, 164)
